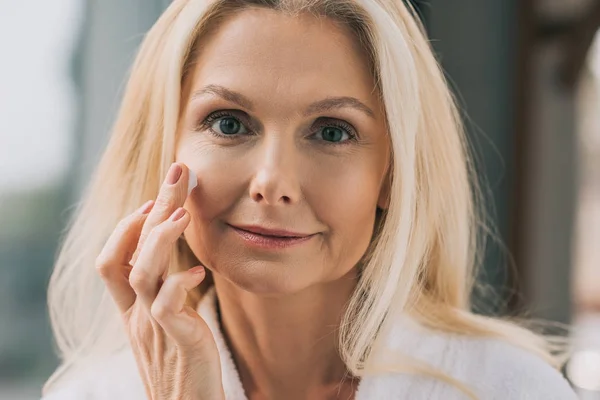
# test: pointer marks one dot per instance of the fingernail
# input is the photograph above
(174, 174)
(193, 181)
(145, 209)
(178, 214)
(197, 270)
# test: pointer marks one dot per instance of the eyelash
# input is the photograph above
(208, 121)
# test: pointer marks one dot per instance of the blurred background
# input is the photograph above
(527, 76)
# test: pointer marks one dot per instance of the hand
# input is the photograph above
(174, 349)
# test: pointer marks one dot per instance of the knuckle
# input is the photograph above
(165, 203)
(103, 265)
(139, 279)
(157, 235)
(159, 310)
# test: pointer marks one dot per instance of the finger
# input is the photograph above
(112, 264)
(169, 308)
(172, 194)
(153, 261)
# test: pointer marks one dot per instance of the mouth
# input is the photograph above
(261, 237)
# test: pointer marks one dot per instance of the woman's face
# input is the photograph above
(284, 131)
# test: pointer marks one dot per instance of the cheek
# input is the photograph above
(344, 191)
(345, 199)
(220, 186)
(220, 178)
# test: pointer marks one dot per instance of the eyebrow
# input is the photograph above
(327, 104)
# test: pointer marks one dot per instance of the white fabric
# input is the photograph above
(494, 369)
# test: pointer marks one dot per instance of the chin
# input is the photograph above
(266, 279)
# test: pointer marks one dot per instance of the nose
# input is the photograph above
(275, 181)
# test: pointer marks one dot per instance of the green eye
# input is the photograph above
(228, 126)
(333, 134)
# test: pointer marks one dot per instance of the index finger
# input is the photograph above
(178, 183)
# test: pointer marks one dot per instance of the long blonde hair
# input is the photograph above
(426, 246)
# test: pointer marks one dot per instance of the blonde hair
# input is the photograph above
(426, 246)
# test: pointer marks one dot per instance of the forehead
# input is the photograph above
(276, 53)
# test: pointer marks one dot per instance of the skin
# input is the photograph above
(283, 167)
(279, 307)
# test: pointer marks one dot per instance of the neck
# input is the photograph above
(287, 343)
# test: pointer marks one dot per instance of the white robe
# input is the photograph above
(494, 369)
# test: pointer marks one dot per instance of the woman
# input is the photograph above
(313, 230)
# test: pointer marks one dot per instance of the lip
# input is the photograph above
(270, 232)
(257, 236)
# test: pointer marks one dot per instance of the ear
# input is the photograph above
(384, 193)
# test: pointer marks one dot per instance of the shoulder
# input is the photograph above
(111, 377)
(492, 368)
